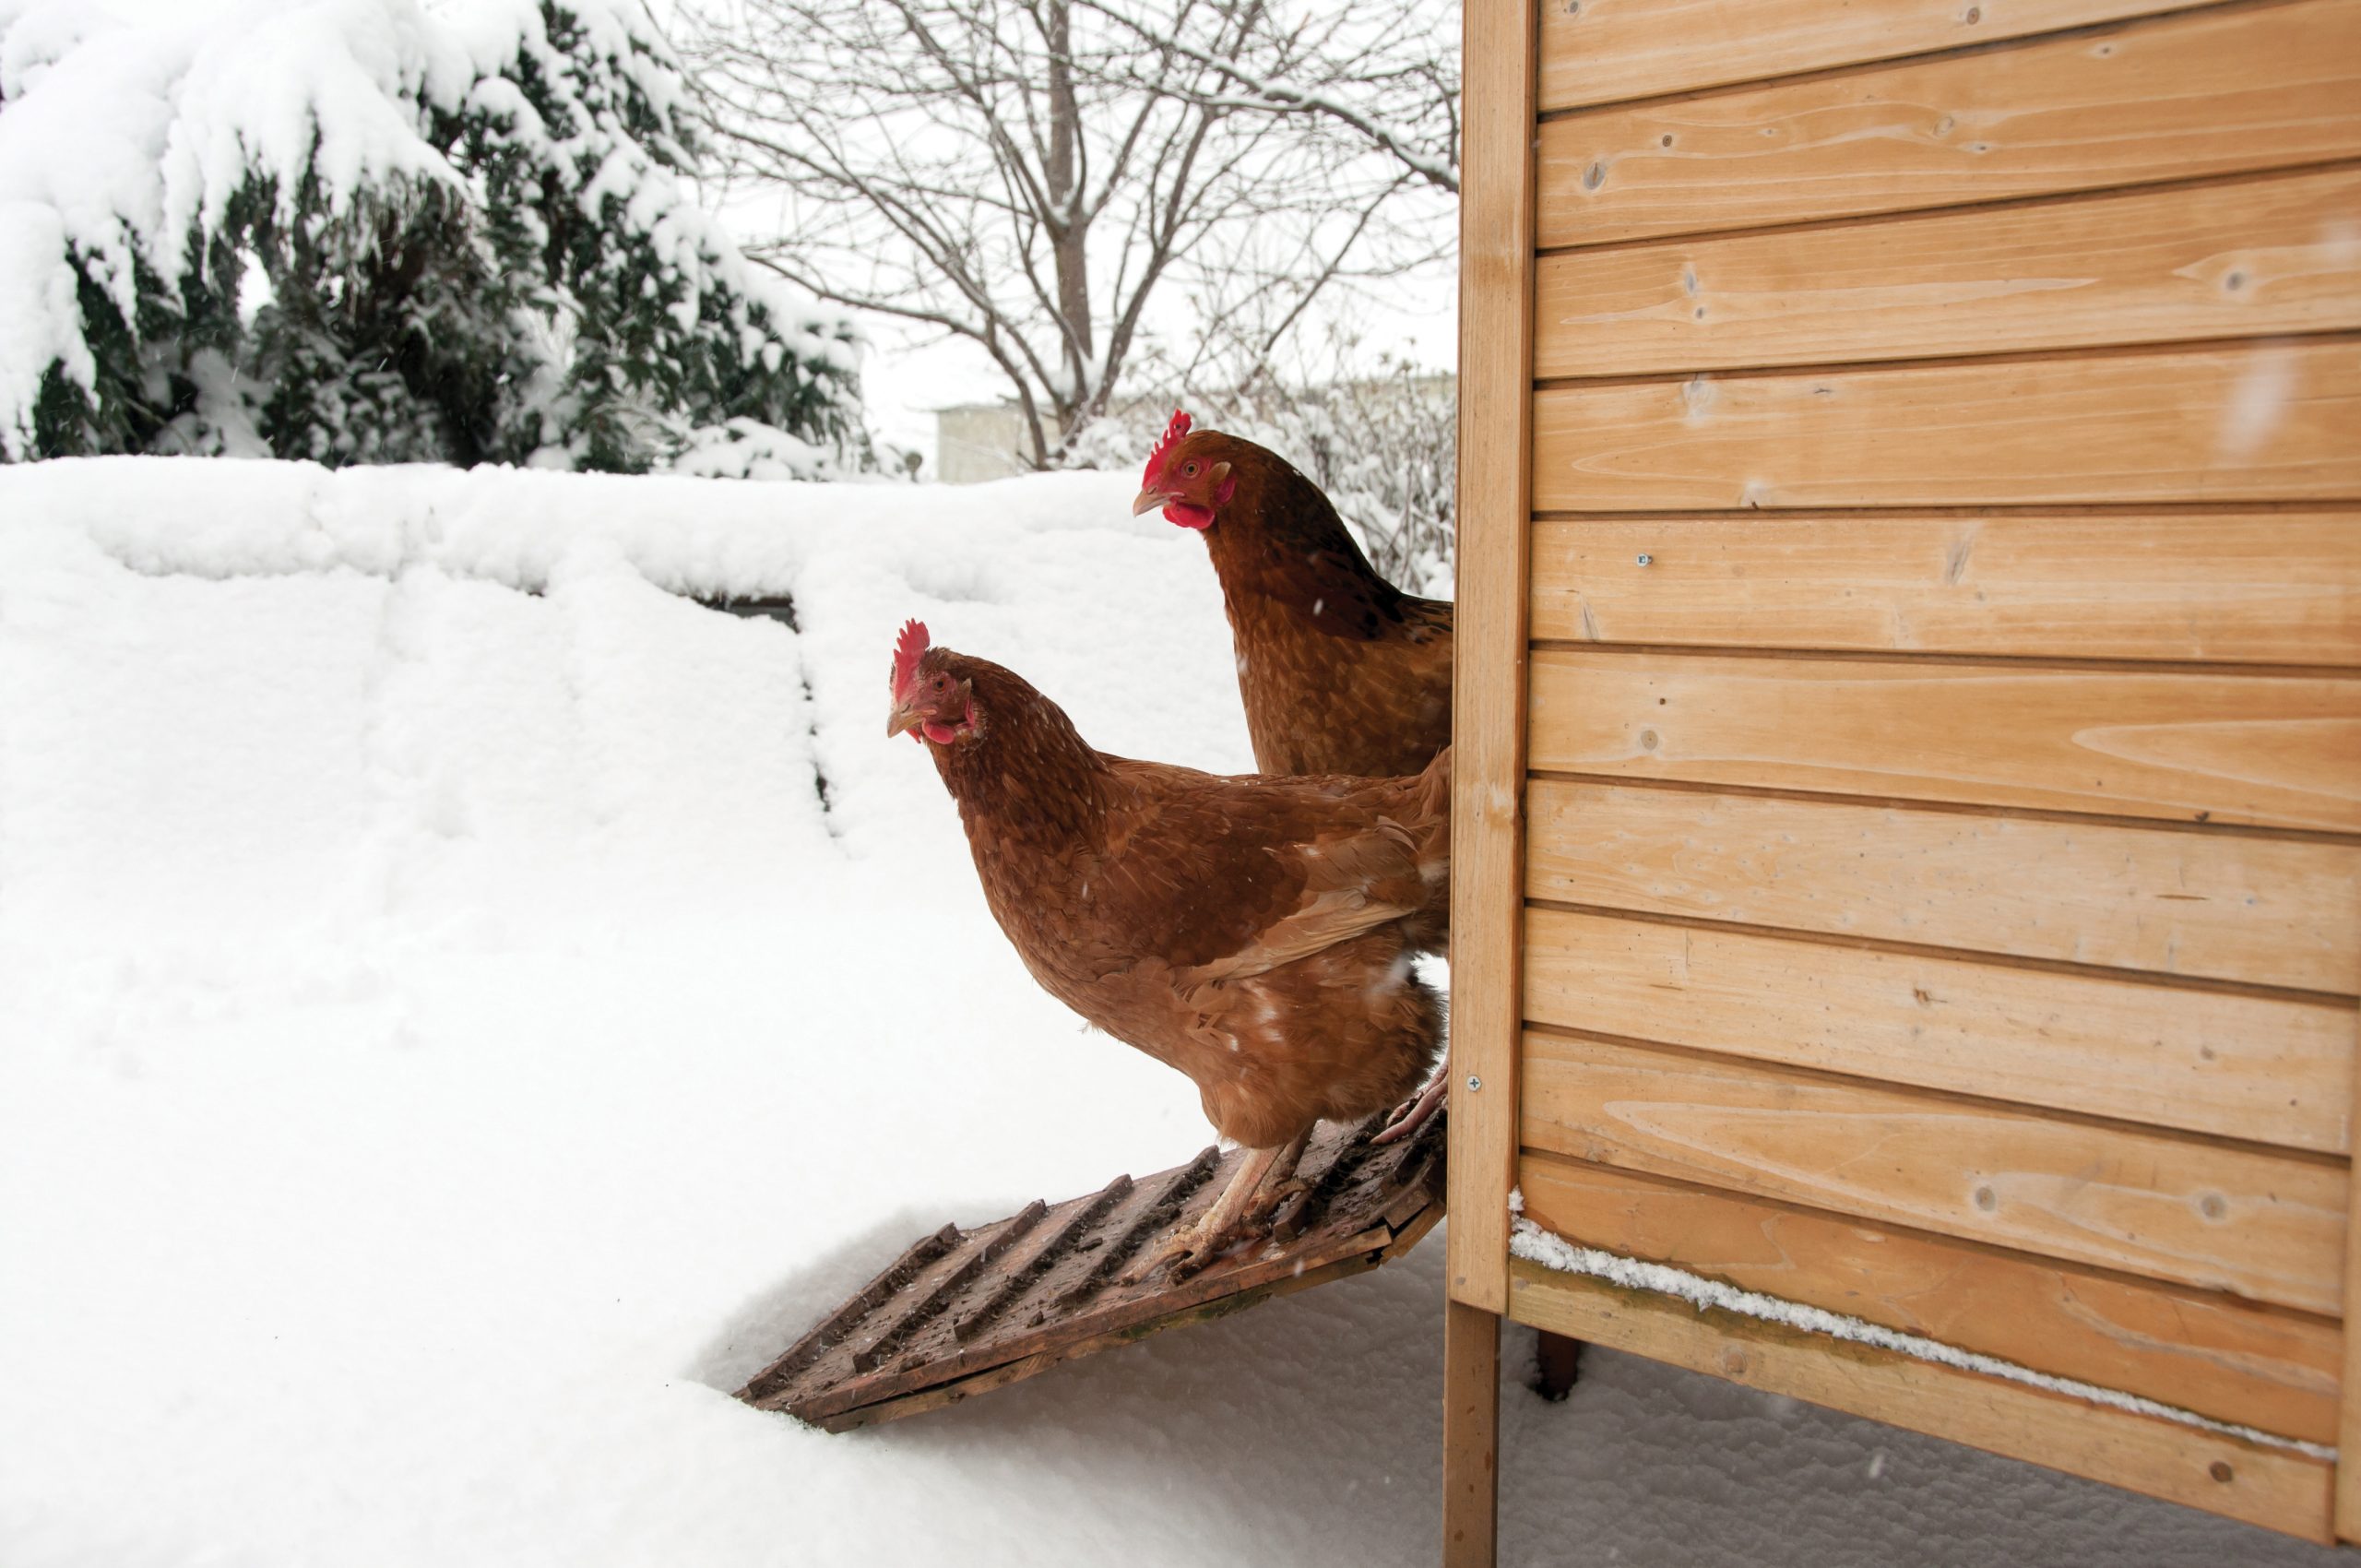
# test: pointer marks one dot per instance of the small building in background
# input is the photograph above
(975, 442)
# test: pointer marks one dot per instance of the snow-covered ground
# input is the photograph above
(447, 1041)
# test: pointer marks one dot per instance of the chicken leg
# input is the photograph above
(1411, 1114)
(1214, 1230)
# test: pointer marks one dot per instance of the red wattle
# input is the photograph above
(1188, 515)
(939, 734)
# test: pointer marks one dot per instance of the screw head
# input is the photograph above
(1647, 560)
(1474, 1083)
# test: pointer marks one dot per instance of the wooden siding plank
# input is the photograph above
(2212, 92)
(2242, 259)
(2259, 421)
(2202, 905)
(2271, 749)
(1490, 678)
(2265, 1226)
(2277, 1489)
(2256, 1068)
(1601, 51)
(2275, 1371)
(2267, 588)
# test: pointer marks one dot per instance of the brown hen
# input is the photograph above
(1256, 932)
(1342, 672)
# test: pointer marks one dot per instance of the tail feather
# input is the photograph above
(1430, 825)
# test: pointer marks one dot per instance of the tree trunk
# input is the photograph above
(1069, 229)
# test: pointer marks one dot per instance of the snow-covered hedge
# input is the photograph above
(381, 231)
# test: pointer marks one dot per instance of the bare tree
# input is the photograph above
(1033, 175)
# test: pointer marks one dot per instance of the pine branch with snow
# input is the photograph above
(377, 231)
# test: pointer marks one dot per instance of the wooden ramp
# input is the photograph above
(966, 1312)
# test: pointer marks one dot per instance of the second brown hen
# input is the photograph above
(1341, 672)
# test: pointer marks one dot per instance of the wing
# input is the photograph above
(1228, 878)
(1353, 885)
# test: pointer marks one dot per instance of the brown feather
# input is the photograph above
(1340, 670)
(1254, 933)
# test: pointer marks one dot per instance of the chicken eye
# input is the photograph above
(1188, 471)
(940, 684)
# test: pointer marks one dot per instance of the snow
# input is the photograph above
(133, 125)
(445, 1043)
(1530, 1241)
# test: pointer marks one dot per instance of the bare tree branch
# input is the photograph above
(1048, 179)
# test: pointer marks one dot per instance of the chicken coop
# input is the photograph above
(1908, 837)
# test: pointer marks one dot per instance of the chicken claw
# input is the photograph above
(1216, 1229)
(1411, 1114)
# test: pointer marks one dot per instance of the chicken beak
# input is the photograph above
(904, 716)
(1149, 501)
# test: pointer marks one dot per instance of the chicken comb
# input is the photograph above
(1172, 432)
(907, 650)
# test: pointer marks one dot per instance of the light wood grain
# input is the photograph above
(2265, 1226)
(2260, 421)
(2261, 1069)
(2348, 1438)
(1489, 680)
(2277, 1489)
(2210, 906)
(2246, 258)
(2283, 749)
(1600, 51)
(1471, 1426)
(2268, 588)
(2211, 92)
(2275, 1371)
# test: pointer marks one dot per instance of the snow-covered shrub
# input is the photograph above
(381, 231)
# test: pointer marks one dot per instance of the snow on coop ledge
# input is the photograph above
(1531, 1243)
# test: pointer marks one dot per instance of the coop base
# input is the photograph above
(966, 1312)
(2277, 1487)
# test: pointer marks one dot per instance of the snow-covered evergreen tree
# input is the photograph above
(383, 231)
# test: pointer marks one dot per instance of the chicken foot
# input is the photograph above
(1412, 1113)
(1217, 1227)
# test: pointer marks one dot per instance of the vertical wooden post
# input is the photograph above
(1562, 1362)
(1490, 643)
(1471, 1418)
(1495, 265)
(2347, 1501)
